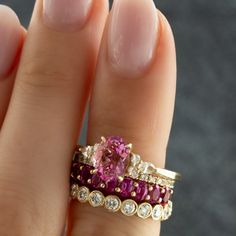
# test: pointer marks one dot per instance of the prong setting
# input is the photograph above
(150, 188)
(120, 178)
(129, 146)
(117, 190)
(103, 139)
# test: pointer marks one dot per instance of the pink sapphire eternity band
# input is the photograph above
(109, 174)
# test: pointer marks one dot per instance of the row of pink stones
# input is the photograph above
(138, 190)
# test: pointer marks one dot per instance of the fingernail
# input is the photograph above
(10, 38)
(132, 35)
(66, 14)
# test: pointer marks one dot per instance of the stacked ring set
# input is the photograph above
(109, 174)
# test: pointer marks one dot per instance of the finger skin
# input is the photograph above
(42, 124)
(140, 110)
(12, 36)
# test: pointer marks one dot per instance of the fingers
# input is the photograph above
(135, 101)
(11, 35)
(46, 111)
(133, 97)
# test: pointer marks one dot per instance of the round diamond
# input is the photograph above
(144, 210)
(133, 172)
(112, 203)
(146, 167)
(151, 179)
(135, 159)
(170, 204)
(83, 194)
(96, 198)
(74, 191)
(144, 177)
(129, 207)
(157, 212)
(167, 211)
(159, 181)
(87, 151)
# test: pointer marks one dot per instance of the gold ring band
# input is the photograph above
(168, 174)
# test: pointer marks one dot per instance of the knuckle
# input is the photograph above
(108, 122)
(39, 73)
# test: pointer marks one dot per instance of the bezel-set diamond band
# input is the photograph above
(109, 174)
(128, 207)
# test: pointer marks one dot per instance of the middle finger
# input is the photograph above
(45, 113)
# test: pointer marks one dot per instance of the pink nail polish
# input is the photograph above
(10, 38)
(66, 15)
(132, 35)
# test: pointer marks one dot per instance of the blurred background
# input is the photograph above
(203, 141)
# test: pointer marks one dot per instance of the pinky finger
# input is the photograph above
(11, 40)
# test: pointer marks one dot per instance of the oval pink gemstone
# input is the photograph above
(112, 158)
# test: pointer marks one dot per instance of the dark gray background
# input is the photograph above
(203, 140)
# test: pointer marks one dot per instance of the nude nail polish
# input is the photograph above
(10, 38)
(132, 35)
(66, 15)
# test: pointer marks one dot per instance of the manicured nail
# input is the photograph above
(66, 15)
(132, 35)
(10, 39)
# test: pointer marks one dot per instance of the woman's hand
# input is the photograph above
(133, 97)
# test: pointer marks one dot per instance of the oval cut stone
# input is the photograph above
(75, 170)
(126, 187)
(155, 194)
(141, 191)
(111, 185)
(166, 196)
(111, 158)
(85, 174)
(96, 181)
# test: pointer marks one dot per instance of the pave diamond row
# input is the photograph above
(128, 207)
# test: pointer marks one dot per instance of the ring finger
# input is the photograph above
(133, 97)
